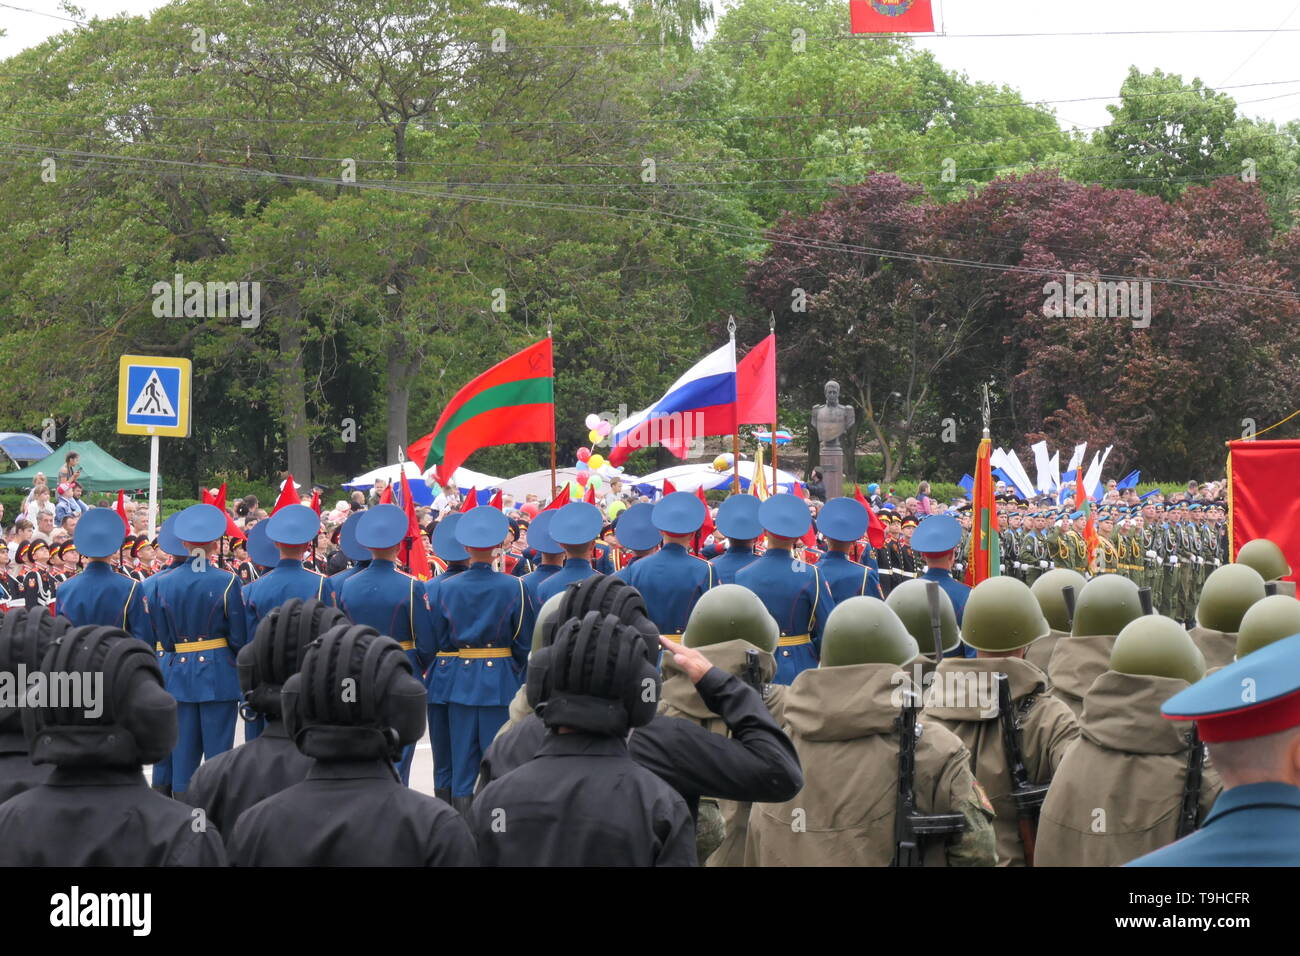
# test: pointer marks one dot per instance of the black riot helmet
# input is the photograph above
(276, 651)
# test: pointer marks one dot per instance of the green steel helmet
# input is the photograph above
(1265, 557)
(1269, 620)
(1048, 591)
(1105, 605)
(1227, 594)
(908, 600)
(546, 612)
(1002, 615)
(1155, 646)
(863, 630)
(730, 612)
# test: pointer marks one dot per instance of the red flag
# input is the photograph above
(411, 552)
(1083, 503)
(497, 500)
(288, 495)
(798, 490)
(875, 529)
(315, 499)
(120, 508)
(589, 496)
(205, 496)
(708, 527)
(1256, 470)
(669, 488)
(756, 384)
(470, 500)
(220, 500)
(891, 16)
(984, 545)
(560, 500)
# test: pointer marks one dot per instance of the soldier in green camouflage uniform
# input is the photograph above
(1032, 552)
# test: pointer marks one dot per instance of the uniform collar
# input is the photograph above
(672, 547)
(1253, 795)
(98, 776)
(288, 563)
(783, 553)
(350, 770)
(383, 564)
(579, 744)
(745, 549)
(481, 566)
(938, 574)
(577, 563)
(834, 556)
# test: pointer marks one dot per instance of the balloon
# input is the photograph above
(594, 437)
(582, 466)
(591, 421)
(722, 463)
(584, 453)
(583, 478)
(595, 481)
(604, 428)
(595, 461)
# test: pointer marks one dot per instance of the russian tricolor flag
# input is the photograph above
(702, 402)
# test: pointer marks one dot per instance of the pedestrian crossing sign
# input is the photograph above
(153, 396)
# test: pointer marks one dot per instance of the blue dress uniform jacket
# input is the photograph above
(1256, 824)
(439, 664)
(393, 603)
(99, 596)
(848, 578)
(192, 604)
(533, 580)
(485, 610)
(796, 594)
(729, 562)
(338, 580)
(604, 559)
(958, 593)
(286, 581)
(574, 569)
(671, 580)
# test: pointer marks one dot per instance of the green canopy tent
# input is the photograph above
(100, 471)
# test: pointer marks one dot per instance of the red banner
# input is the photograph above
(891, 16)
(1264, 496)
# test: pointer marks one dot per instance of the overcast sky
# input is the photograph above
(1041, 68)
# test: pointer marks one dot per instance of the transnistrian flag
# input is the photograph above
(1083, 503)
(984, 550)
(891, 16)
(513, 401)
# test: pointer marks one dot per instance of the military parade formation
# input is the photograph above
(775, 690)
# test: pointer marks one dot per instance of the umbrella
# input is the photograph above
(539, 482)
(703, 475)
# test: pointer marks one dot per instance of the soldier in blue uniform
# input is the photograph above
(738, 522)
(171, 546)
(574, 528)
(393, 603)
(1248, 715)
(794, 592)
(439, 660)
(487, 616)
(550, 555)
(672, 579)
(602, 554)
(636, 532)
(936, 539)
(198, 616)
(348, 547)
(290, 529)
(842, 521)
(98, 595)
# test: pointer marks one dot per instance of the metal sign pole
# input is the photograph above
(153, 485)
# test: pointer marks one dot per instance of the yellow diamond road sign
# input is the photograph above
(153, 396)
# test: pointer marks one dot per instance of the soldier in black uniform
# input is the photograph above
(582, 800)
(755, 764)
(95, 808)
(884, 557)
(230, 783)
(24, 638)
(353, 707)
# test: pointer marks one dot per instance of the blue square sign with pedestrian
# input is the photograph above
(154, 396)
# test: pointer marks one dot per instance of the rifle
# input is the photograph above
(936, 624)
(1067, 593)
(1028, 797)
(1144, 598)
(1190, 809)
(752, 674)
(912, 829)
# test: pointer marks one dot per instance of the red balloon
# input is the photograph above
(584, 453)
(583, 477)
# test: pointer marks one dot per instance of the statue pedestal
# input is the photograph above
(832, 466)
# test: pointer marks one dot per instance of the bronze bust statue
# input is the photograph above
(832, 420)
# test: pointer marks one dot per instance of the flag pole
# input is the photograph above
(771, 328)
(735, 428)
(553, 489)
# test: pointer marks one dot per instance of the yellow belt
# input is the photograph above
(675, 638)
(793, 639)
(158, 647)
(478, 653)
(210, 645)
(448, 654)
(407, 645)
